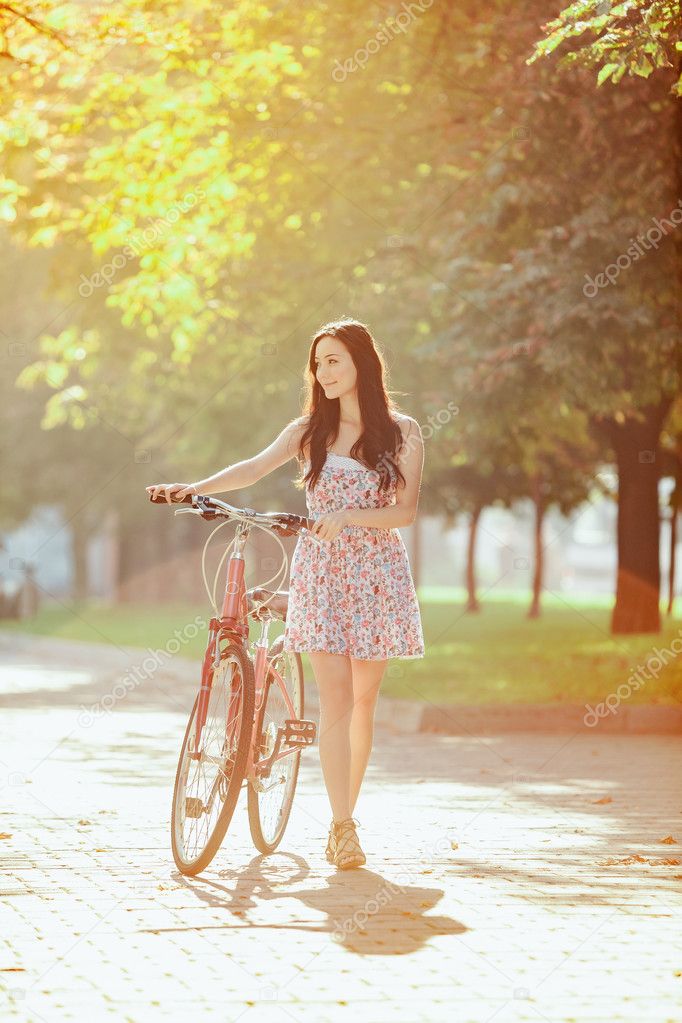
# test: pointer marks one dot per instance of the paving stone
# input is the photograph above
(509, 878)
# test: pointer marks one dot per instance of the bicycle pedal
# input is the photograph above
(298, 732)
(194, 807)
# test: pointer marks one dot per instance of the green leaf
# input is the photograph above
(606, 72)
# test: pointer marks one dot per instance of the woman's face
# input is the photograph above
(334, 367)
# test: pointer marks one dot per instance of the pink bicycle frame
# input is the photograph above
(233, 624)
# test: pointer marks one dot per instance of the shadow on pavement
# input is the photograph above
(365, 912)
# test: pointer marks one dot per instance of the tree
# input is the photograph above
(588, 170)
(188, 240)
(466, 232)
(635, 38)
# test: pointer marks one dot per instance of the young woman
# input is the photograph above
(352, 601)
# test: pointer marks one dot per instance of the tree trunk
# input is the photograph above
(139, 541)
(639, 574)
(673, 545)
(472, 603)
(538, 567)
(675, 499)
(127, 559)
(674, 513)
(79, 552)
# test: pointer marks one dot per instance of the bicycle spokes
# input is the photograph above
(209, 760)
(277, 754)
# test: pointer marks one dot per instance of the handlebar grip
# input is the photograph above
(187, 499)
(289, 522)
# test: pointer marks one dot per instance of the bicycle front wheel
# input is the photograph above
(270, 798)
(208, 780)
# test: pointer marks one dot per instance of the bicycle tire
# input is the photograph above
(198, 863)
(263, 839)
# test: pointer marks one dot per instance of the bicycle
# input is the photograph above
(246, 726)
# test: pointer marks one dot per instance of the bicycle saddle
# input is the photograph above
(276, 601)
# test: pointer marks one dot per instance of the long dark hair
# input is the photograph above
(381, 437)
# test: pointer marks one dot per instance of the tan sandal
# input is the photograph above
(347, 850)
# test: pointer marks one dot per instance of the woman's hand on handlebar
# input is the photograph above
(175, 491)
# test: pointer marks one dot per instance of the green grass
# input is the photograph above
(496, 656)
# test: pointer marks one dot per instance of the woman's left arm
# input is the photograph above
(410, 461)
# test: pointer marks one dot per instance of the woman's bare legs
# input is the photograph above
(367, 676)
(334, 679)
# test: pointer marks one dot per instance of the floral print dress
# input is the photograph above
(353, 595)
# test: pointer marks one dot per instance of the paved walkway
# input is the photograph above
(520, 877)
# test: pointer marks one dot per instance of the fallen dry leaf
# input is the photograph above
(615, 860)
(604, 799)
(626, 860)
(669, 840)
(5, 834)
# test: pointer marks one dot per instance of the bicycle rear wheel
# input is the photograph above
(270, 799)
(207, 784)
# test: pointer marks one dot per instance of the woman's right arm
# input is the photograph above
(242, 474)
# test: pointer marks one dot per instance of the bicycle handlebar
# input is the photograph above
(187, 499)
(282, 523)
